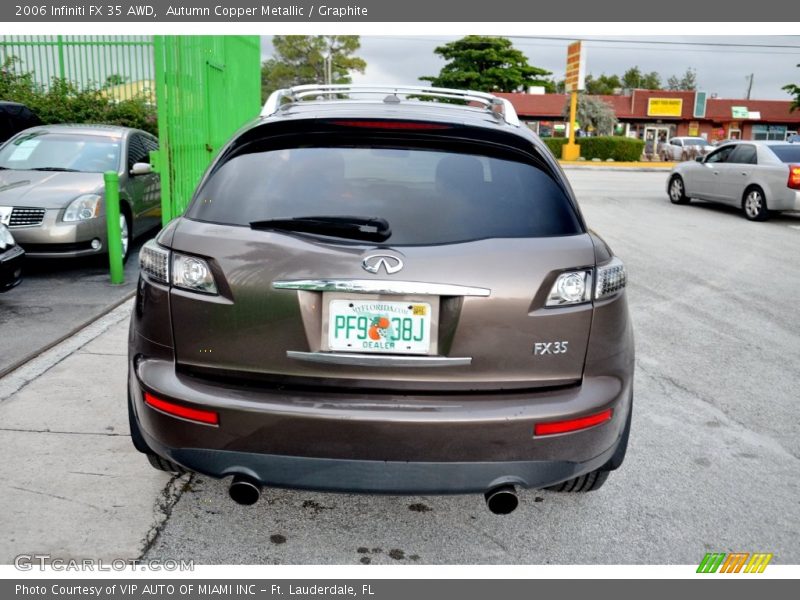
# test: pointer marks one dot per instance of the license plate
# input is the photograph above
(379, 326)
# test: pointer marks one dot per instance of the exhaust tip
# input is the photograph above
(502, 500)
(244, 491)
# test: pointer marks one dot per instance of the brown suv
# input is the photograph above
(381, 294)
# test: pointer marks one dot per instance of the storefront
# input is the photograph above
(657, 115)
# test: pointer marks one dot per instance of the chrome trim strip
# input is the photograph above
(368, 286)
(378, 360)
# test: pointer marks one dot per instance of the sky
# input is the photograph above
(723, 63)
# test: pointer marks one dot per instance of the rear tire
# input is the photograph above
(754, 205)
(162, 464)
(585, 483)
(677, 191)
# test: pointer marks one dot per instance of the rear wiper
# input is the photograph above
(372, 229)
(55, 169)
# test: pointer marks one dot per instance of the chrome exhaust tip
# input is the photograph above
(502, 500)
(244, 490)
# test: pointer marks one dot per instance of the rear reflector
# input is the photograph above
(404, 125)
(178, 410)
(794, 177)
(554, 427)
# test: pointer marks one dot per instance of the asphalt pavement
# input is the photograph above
(712, 463)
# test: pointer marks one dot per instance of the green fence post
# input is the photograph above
(114, 243)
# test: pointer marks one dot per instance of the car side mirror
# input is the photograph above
(700, 159)
(141, 168)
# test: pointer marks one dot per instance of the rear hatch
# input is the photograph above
(391, 256)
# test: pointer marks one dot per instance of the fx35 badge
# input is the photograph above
(542, 348)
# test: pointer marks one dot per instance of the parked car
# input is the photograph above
(52, 189)
(15, 117)
(11, 256)
(684, 148)
(383, 295)
(757, 177)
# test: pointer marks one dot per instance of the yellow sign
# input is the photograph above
(664, 107)
(576, 68)
(694, 128)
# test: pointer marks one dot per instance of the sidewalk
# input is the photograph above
(630, 166)
(63, 435)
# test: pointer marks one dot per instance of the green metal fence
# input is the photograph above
(207, 87)
(121, 65)
(204, 88)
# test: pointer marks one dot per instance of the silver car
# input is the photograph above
(52, 189)
(684, 148)
(757, 177)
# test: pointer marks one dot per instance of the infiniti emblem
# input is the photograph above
(373, 262)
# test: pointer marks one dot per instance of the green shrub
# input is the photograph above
(555, 145)
(621, 149)
(64, 102)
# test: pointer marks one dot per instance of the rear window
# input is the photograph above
(427, 196)
(790, 153)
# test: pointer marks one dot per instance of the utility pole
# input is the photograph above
(750, 85)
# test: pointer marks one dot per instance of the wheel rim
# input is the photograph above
(123, 233)
(676, 190)
(752, 204)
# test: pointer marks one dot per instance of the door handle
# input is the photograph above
(745, 173)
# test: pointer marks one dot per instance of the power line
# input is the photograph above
(658, 42)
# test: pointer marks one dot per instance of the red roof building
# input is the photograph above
(664, 114)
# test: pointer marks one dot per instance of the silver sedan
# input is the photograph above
(757, 177)
(52, 193)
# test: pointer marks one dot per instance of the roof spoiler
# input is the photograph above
(500, 107)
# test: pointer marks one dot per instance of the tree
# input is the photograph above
(487, 64)
(634, 79)
(593, 112)
(605, 85)
(686, 82)
(794, 90)
(301, 59)
(63, 101)
(114, 79)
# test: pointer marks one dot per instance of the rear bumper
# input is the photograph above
(377, 443)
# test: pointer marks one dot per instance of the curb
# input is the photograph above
(617, 166)
(72, 332)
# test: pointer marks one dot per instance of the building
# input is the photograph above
(659, 114)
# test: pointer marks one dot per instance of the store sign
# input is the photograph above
(740, 112)
(664, 107)
(694, 128)
(754, 114)
(576, 68)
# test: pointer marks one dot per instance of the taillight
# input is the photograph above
(154, 261)
(207, 417)
(554, 427)
(404, 125)
(611, 278)
(192, 273)
(794, 177)
(572, 287)
(185, 272)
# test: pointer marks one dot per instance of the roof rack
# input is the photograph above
(500, 107)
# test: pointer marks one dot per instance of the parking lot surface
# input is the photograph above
(712, 464)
